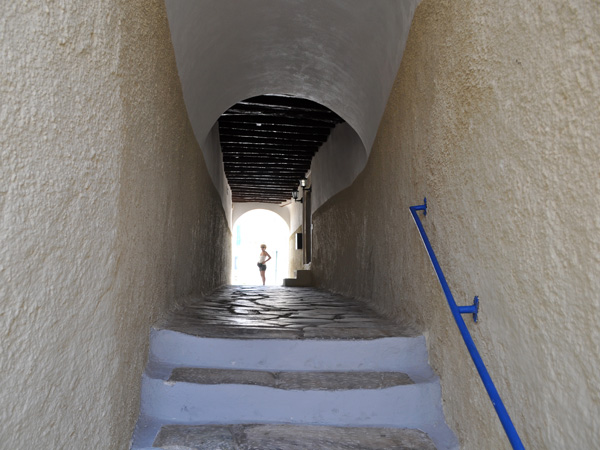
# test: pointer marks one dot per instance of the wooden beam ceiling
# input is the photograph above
(268, 143)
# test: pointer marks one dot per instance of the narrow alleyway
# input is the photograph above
(287, 368)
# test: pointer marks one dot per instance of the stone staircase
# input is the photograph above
(303, 278)
(276, 368)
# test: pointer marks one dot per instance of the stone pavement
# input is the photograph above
(282, 368)
(290, 437)
(264, 312)
(330, 381)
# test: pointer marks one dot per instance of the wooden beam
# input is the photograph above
(273, 195)
(270, 190)
(272, 168)
(260, 168)
(316, 137)
(262, 139)
(259, 199)
(255, 177)
(271, 181)
(265, 162)
(285, 101)
(295, 173)
(265, 192)
(267, 178)
(272, 155)
(256, 145)
(268, 143)
(283, 128)
(268, 120)
(264, 189)
(291, 113)
(266, 165)
(264, 159)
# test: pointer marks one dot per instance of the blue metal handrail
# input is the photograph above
(509, 428)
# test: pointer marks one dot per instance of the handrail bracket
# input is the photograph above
(457, 312)
(422, 207)
(471, 309)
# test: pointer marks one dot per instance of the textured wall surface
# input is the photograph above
(295, 255)
(107, 215)
(494, 117)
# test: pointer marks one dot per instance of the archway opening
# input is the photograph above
(252, 229)
(268, 143)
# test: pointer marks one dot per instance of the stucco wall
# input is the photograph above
(295, 254)
(108, 215)
(213, 158)
(337, 164)
(295, 210)
(494, 117)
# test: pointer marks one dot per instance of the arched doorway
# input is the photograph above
(252, 229)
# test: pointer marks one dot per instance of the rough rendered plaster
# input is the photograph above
(494, 117)
(108, 215)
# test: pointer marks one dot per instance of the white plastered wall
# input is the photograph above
(211, 149)
(343, 54)
(295, 209)
(337, 164)
(108, 215)
(239, 209)
(493, 117)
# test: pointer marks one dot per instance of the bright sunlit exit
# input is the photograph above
(250, 231)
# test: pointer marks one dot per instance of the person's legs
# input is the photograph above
(262, 275)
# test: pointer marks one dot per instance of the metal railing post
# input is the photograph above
(456, 311)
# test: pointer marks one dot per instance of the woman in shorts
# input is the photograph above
(262, 261)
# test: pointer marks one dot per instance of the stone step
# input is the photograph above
(170, 349)
(194, 396)
(331, 381)
(303, 278)
(289, 437)
(286, 368)
(304, 400)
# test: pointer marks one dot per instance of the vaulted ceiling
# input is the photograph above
(268, 143)
(343, 54)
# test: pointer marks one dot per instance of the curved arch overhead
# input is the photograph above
(268, 143)
(343, 54)
(239, 209)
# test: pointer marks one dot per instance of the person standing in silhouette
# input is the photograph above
(262, 261)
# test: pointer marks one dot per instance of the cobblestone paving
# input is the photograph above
(290, 437)
(264, 312)
(320, 381)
